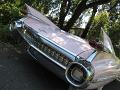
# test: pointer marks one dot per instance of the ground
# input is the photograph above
(19, 71)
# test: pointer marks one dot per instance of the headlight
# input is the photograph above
(16, 25)
(79, 74)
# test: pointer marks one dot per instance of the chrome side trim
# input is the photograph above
(63, 50)
(92, 56)
(49, 57)
(30, 53)
(59, 64)
(66, 52)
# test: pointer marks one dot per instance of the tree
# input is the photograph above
(114, 33)
(62, 8)
(65, 6)
(84, 34)
(82, 6)
(9, 12)
(100, 20)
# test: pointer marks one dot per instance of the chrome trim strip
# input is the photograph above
(30, 53)
(49, 57)
(70, 54)
(58, 46)
(92, 56)
(59, 64)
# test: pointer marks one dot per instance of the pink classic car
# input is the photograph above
(70, 57)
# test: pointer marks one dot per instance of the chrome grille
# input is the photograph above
(50, 51)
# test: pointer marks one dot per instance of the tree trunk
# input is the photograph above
(65, 6)
(62, 11)
(87, 28)
(82, 6)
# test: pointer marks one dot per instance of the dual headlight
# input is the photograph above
(79, 74)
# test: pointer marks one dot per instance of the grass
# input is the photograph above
(6, 35)
(12, 38)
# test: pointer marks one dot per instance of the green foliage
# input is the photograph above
(74, 4)
(5, 34)
(9, 12)
(114, 33)
(112, 28)
(10, 9)
(101, 20)
(43, 5)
